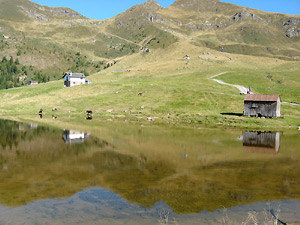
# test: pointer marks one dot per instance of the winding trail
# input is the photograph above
(241, 88)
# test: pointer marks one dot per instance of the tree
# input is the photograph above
(11, 60)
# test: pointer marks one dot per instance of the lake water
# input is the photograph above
(120, 173)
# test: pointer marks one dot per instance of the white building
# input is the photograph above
(73, 79)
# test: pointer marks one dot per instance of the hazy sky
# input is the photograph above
(103, 9)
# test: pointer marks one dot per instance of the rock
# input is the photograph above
(292, 32)
(245, 15)
(109, 110)
(35, 14)
(292, 22)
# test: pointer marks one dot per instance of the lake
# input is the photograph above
(97, 172)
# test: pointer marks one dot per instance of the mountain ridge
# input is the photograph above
(166, 54)
(43, 35)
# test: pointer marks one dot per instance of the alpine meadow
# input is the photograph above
(143, 51)
(186, 114)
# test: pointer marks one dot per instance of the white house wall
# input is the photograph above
(76, 81)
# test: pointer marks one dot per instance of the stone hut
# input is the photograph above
(262, 105)
(73, 79)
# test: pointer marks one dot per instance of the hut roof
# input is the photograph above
(261, 98)
(75, 75)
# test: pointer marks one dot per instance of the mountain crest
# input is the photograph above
(198, 5)
(151, 3)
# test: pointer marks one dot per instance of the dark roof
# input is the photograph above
(261, 98)
(75, 75)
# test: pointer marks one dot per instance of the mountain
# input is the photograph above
(140, 24)
(235, 29)
(54, 40)
(137, 64)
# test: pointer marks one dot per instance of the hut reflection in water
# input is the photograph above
(261, 141)
(73, 136)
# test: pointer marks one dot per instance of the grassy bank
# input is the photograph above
(173, 90)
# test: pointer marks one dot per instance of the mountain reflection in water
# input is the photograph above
(146, 168)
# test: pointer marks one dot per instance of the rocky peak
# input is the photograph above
(245, 15)
(146, 11)
(197, 5)
(44, 13)
(152, 4)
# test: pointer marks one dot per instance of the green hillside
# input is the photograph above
(255, 48)
(174, 89)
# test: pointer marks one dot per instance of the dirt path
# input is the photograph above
(145, 40)
(121, 38)
(241, 88)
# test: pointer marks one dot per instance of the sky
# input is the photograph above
(104, 9)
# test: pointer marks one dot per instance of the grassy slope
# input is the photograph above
(46, 37)
(214, 27)
(173, 89)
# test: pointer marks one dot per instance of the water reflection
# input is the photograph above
(261, 141)
(33, 126)
(73, 136)
(89, 117)
(188, 170)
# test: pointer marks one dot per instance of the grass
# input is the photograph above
(174, 90)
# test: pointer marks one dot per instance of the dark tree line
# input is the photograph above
(11, 71)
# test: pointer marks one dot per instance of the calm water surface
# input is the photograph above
(136, 174)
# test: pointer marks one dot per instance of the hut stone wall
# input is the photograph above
(266, 109)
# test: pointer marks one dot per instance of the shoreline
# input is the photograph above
(210, 121)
